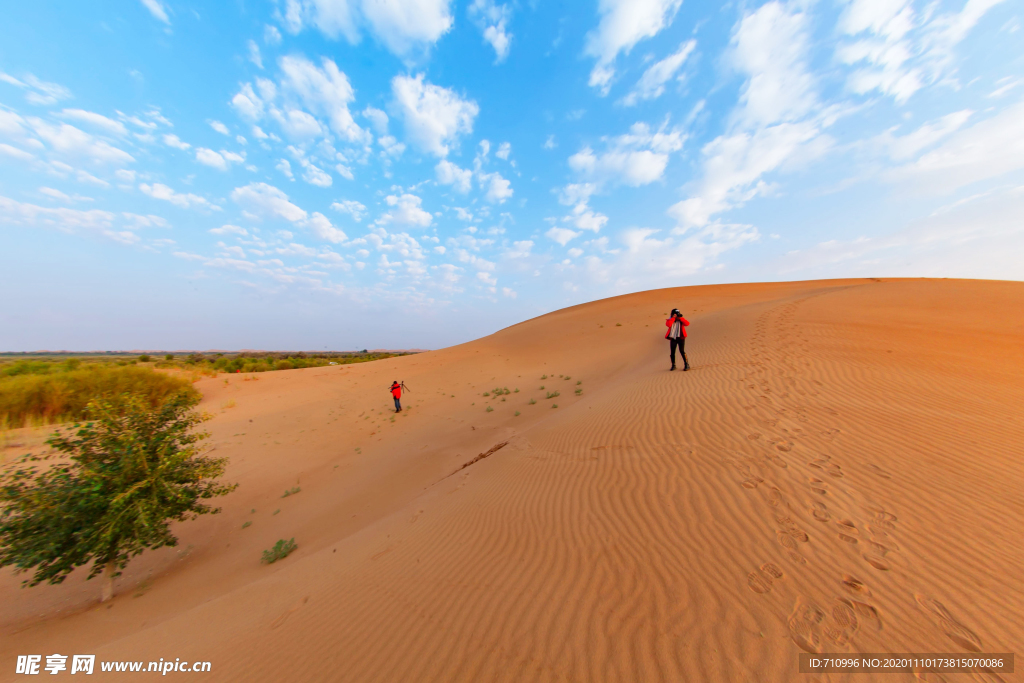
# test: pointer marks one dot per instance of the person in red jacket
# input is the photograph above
(676, 336)
(396, 392)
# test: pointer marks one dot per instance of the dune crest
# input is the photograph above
(839, 472)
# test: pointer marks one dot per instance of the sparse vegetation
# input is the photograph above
(579, 392)
(568, 377)
(291, 492)
(618, 324)
(490, 409)
(281, 550)
(543, 376)
(532, 401)
(553, 394)
(247, 524)
(144, 358)
(579, 382)
(34, 392)
(554, 405)
(517, 414)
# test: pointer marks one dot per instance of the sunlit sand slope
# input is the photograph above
(842, 470)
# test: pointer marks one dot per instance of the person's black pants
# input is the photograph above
(398, 406)
(681, 343)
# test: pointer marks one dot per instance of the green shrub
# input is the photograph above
(281, 550)
(283, 365)
(553, 394)
(169, 356)
(144, 358)
(532, 401)
(489, 409)
(291, 492)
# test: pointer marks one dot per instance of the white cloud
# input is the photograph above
(174, 141)
(316, 176)
(901, 148)
(770, 47)
(460, 179)
(185, 201)
(220, 127)
(406, 211)
(778, 118)
(254, 54)
(561, 235)
(492, 19)
(988, 149)
(95, 120)
(623, 24)
(247, 103)
(504, 149)
(286, 168)
(320, 226)
(498, 188)
(325, 90)
(378, 119)
(229, 230)
(157, 10)
(550, 143)
(38, 91)
(433, 116)
(261, 200)
(68, 140)
(519, 249)
(652, 84)
(125, 175)
(61, 196)
(733, 166)
(636, 158)
(15, 153)
(13, 212)
(212, 159)
(403, 26)
(271, 36)
(350, 206)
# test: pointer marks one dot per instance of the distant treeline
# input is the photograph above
(46, 389)
(256, 361)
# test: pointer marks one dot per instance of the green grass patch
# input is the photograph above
(247, 525)
(553, 394)
(532, 401)
(291, 492)
(281, 550)
(490, 409)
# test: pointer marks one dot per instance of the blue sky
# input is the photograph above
(312, 174)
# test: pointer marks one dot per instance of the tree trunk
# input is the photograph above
(108, 581)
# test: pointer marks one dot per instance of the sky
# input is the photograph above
(346, 174)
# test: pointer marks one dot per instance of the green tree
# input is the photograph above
(109, 491)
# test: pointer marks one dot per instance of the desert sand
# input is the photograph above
(841, 471)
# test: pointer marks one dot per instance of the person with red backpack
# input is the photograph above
(676, 336)
(396, 393)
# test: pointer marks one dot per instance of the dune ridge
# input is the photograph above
(840, 472)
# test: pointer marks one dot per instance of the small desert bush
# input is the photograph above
(281, 550)
(553, 394)
(490, 409)
(61, 396)
(579, 392)
(532, 401)
(517, 413)
(543, 376)
(291, 492)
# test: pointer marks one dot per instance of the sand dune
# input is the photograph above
(841, 471)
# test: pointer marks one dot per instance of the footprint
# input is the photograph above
(804, 624)
(878, 562)
(954, 630)
(867, 614)
(848, 539)
(751, 483)
(785, 446)
(777, 461)
(771, 570)
(821, 512)
(855, 585)
(759, 583)
(880, 472)
(819, 487)
(775, 498)
(753, 436)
